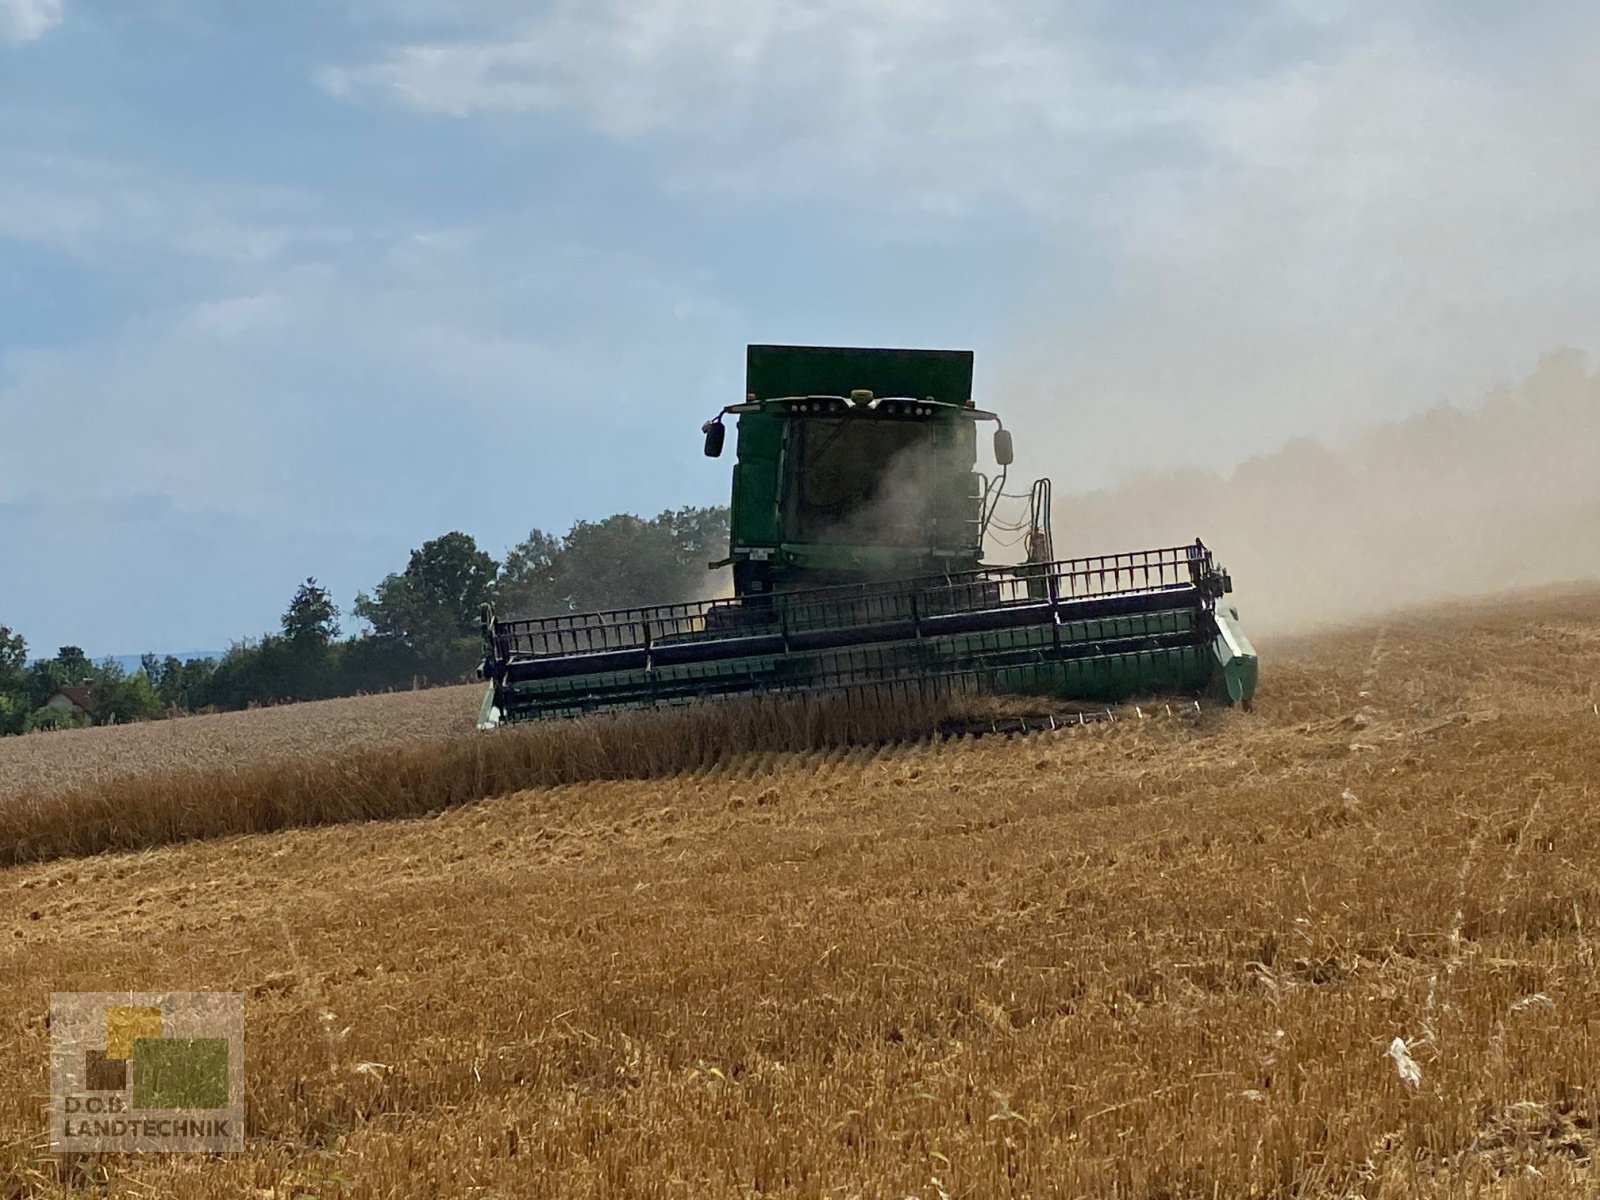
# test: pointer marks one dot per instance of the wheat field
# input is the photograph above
(1161, 957)
(48, 762)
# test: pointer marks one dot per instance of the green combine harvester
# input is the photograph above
(857, 531)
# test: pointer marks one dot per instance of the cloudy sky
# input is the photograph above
(287, 289)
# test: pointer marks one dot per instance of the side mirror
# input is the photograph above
(1002, 447)
(715, 432)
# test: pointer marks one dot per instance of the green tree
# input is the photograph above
(700, 535)
(453, 575)
(529, 580)
(74, 664)
(432, 607)
(14, 689)
(120, 697)
(13, 654)
(375, 664)
(13, 712)
(622, 561)
(180, 685)
(194, 687)
(312, 617)
(310, 626)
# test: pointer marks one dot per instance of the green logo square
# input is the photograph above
(180, 1073)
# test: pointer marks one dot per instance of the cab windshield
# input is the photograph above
(861, 480)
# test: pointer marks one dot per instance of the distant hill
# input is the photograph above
(130, 662)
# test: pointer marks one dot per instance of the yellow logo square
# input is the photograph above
(125, 1025)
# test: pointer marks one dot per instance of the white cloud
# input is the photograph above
(28, 20)
(952, 102)
(98, 211)
(232, 317)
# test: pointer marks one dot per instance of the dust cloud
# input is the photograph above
(1350, 247)
(891, 505)
(1454, 501)
(717, 584)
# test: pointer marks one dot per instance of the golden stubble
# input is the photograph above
(1155, 957)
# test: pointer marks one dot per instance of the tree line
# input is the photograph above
(419, 626)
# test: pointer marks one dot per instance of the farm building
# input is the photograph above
(72, 700)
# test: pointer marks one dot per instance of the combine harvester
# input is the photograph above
(857, 531)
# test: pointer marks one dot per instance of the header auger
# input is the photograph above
(858, 521)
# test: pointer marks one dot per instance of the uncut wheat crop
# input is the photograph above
(47, 762)
(1343, 945)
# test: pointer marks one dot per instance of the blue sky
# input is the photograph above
(287, 289)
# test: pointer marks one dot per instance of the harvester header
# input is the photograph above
(858, 523)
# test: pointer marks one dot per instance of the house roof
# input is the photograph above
(82, 697)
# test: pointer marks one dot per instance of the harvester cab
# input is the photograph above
(858, 522)
(856, 466)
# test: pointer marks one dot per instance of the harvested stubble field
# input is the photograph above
(1153, 958)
